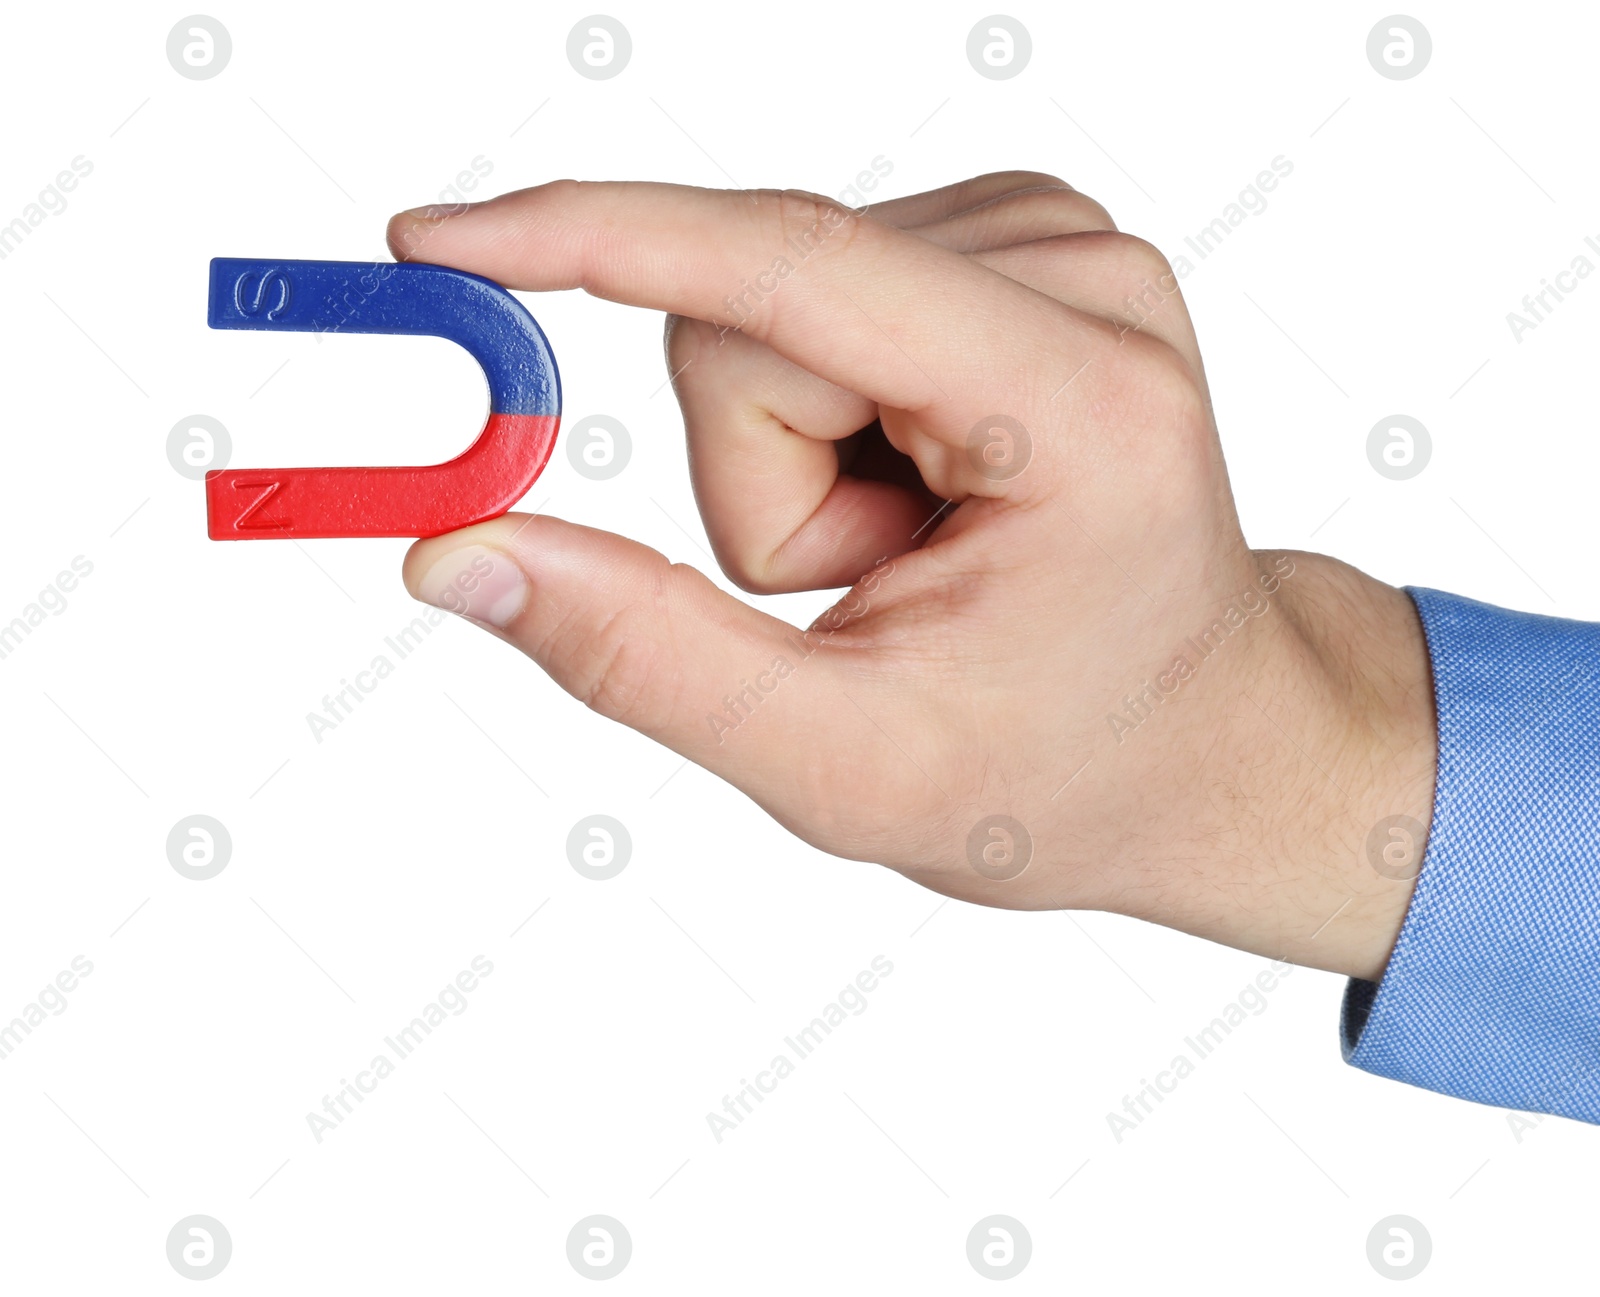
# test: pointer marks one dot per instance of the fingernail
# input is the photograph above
(476, 582)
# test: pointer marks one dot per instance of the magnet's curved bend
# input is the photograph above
(482, 482)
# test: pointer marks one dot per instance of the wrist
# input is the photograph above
(1320, 787)
(1361, 685)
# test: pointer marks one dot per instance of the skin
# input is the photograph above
(1007, 598)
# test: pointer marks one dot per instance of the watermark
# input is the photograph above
(1538, 307)
(198, 47)
(1399, 1247)
(1251, 201)
(199, 847)
(199, 1247)
(599, 47)
(338, 308)
(1251, 1002)
(740, 706)
(196, 445)
(999, 448)
(339, 706)
(52, 201)
(1141, 306)
(1398, 47)
(599, 1247)
(1520, 1123)
(1250, 605)
(1394, 847)
(49, 602)
(851, 1002)
(599, 847)
(999, 1247)
(999, 847)
(51, 1002)
(1399, 447)
(850, 203)
(999, 47)
(451, 1002)
(598, 447)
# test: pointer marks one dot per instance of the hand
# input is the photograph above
(984, 410)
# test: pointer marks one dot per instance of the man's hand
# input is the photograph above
(1060, 678)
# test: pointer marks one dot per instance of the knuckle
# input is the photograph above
(1142, 258)
(761, 565)
(626, 668)
(740, 566)
(1168, 390)
(1025, 178)
(618, 672)
(899, 823)
(741, 558)
(1031, 216)
(687, 340)
(1043, 212)
(566, 190)
(1010, 181)
(751, 577)
(1142, 292)
(799, 223)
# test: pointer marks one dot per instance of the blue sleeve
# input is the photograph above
(1493, 990)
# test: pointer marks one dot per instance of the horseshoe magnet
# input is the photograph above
(482, 482)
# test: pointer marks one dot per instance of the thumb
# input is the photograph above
(641, 640)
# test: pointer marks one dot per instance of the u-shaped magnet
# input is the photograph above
(482, 482)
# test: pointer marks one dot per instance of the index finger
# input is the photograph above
(872, 308)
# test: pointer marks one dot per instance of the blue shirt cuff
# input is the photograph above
(1493, 990)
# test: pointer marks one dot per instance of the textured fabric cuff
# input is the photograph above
(1493, 990)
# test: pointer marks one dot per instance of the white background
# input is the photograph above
(370, 868)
